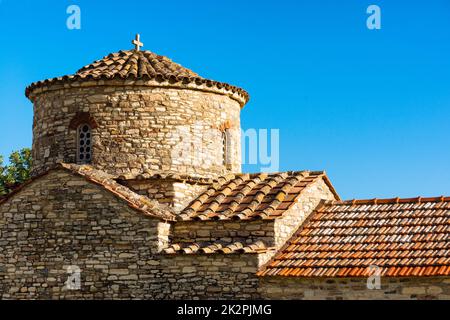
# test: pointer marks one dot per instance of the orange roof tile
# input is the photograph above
(403, 237)
(216, 247)
(251, 196)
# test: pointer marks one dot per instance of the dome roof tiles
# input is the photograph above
(140, 65)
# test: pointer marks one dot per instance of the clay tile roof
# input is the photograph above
(166, 175)
(402, 237)
(138, 64)
(138, 202)
(216, 248)
(251, 196)
(133, 65)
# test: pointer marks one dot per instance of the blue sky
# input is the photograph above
(371, 107)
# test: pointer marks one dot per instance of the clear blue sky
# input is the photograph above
(372, 108)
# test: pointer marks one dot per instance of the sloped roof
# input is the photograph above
(403, 237)
(251, 196)
(216, 247)
(138, 202)
(137, 64)
(132, 65)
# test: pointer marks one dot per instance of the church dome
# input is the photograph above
(139, 65)
(135, 112)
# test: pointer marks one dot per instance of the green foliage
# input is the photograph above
(17, 172)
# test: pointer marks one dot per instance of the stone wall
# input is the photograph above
(213, 276)
(227, 231)
(354, 288)
(139, 129)
(62, 220)
(310, 198)
(174, 193)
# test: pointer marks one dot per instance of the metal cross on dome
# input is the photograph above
(137, 42)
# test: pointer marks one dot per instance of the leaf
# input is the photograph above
(17, 172)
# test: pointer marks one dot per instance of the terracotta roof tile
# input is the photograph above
(216, 247)
(132, 64)
(404, 237)
(251, 196)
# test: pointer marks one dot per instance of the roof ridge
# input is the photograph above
(167, 175)
(288, 172)
(396, 200)
(217, 247)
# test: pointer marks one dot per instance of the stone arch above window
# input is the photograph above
(84, 143)
(82, 118)
(225, 125)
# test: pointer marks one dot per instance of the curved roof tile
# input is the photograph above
(398, 237)
(132, 64)
(251, 196)
(216, 247)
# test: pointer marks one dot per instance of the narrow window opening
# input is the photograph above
(84, 138)
(226, 147)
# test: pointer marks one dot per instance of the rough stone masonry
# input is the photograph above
(137, 185)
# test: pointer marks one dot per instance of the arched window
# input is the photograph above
(84, 138)
(226, 147)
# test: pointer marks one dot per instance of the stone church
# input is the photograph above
(116, 209)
